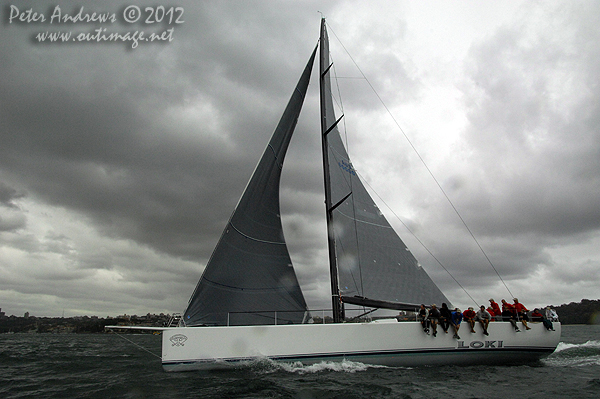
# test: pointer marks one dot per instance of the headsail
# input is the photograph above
(250, 269)
(372, 263)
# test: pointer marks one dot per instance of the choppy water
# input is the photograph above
(106, 366)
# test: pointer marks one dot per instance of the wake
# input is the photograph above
(575, 355)
(345, 366)
(589, 344)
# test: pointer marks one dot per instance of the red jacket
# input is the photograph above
(495, 308)
(508, 307)
(520, 308)
(469, 314)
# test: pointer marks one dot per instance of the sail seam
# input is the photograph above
(256, 239)
(364, 221)
(266, 289)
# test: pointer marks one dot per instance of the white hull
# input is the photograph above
(380, 343)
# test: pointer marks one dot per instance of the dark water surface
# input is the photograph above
(107, 366)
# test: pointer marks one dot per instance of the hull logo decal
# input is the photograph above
(178, 339)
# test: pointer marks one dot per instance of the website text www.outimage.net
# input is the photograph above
(159, 24)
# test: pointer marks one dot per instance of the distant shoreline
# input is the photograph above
(585, 312)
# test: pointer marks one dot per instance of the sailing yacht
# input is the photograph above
(248, 304)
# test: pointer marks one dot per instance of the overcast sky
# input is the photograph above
(120, 166)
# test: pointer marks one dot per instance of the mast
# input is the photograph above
(324, 68)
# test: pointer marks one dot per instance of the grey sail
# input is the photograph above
(373, 265)
(249, 278)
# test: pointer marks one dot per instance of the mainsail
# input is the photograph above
(249, 278)
(372, 265)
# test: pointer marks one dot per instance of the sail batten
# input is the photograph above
(257, 239)
(334, 125)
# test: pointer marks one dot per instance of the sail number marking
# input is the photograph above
(347, 167)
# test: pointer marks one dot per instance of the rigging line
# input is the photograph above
(425, 164)
(341, 105)
(420, 242)
(338, 99)
(139, 346)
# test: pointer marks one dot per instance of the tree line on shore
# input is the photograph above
(80, 324)
(585, 312)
